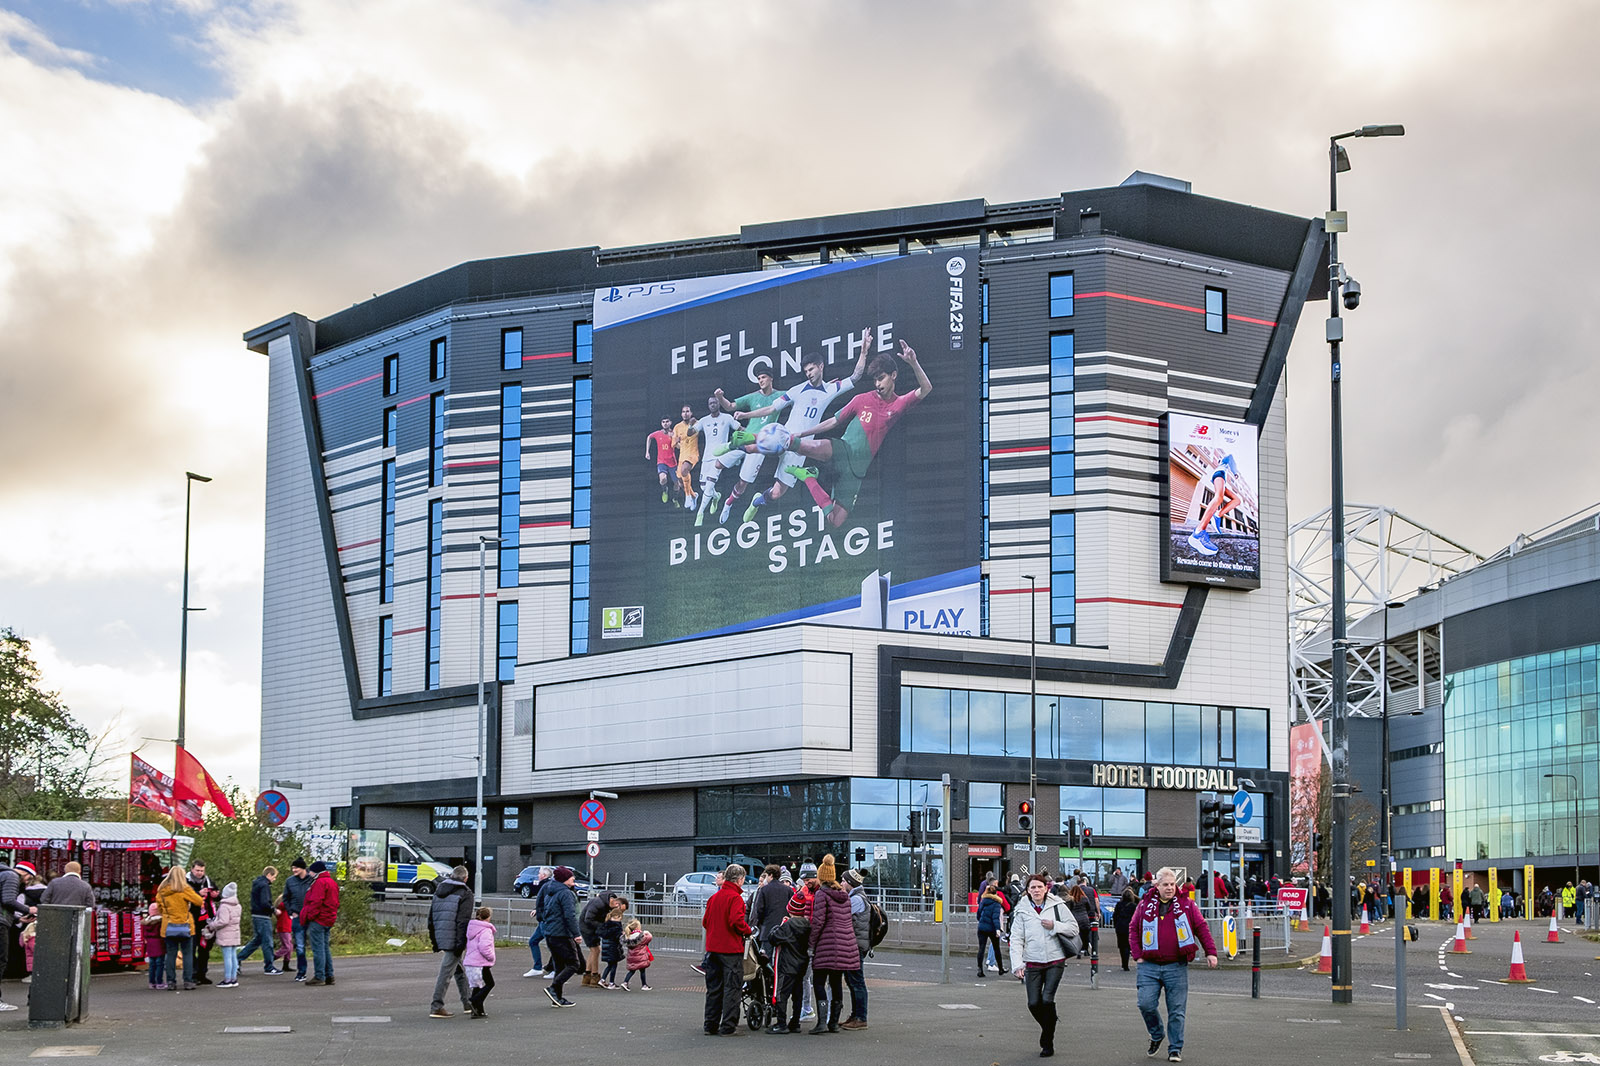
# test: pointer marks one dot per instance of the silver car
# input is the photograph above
(694, 888)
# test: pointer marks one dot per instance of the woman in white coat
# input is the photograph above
(1036, 956)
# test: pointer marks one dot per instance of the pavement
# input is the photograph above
(377, 1013)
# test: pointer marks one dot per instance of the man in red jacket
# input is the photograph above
(317, 915)
(726, 928)
(1167, 931)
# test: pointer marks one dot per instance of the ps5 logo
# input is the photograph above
(637, 290)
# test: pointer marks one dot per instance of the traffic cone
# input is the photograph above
(1325, 964)
(1466, 921)
(1519, 973)
(1461, 942)
(1366, 922)
(1305, 917)
(1554, 936)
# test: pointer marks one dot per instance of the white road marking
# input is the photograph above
(1546, 991)
(1519, 1032)
(1389, 987)
(1580, 999)
(1430, 995)
(895, 965)
(959, 1006)
(1445, 986)
(1455, 975)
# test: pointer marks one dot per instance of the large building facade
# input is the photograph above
(794, 675)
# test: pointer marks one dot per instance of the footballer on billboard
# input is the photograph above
(784, 446)
(1212, 515)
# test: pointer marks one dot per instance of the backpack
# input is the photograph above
(877, 925)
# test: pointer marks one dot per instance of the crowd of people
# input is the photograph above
(191, 916)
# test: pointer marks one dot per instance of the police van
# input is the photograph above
(390, 857)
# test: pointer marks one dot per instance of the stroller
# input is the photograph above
(760, 988)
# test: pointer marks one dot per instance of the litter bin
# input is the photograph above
(59, 994)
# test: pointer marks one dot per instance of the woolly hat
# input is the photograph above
(562, 874)
(318, 867)
(854, 878)
(808, 870)
(797, 904)
(299, 863)
(230, 890)
(26, 867)
(825, 871)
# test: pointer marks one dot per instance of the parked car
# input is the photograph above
(527, 882)
(694, 888)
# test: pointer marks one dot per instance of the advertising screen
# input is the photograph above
(1212, 515)
(785, 446)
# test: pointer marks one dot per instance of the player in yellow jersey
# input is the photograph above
(687, 441)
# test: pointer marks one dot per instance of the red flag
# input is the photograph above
(151, 789)
(192, 782)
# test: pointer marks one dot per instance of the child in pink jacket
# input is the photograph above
(478, 959)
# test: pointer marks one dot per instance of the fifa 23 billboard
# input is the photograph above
(787, 446)
(1211, 515)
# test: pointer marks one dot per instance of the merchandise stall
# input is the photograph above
(123, 861)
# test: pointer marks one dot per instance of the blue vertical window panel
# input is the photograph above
(438, 360)
(582, 342)
(386, 656)
(510, 528)
(436, 440)
(984, 288)
(391, 374)
(582, 450)
(1061, 296)
(1216, 310)
(435, 588)
(580, 599)
(386, 550)
(1062, 415)
(391, 426)
(506, 643)
(511, 349)
(1063, 577)
(983, 385)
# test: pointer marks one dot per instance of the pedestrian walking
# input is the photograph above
(538, 927)
(611, 950)
(861, 924)
(589, 920)
(321, 910)
(989, 912)
(559, 909)
(1037, 958)
(1170, 932)
(177, 899)
(263, 935)
(791, 949)
(294, 898)
(726, 927)
(225, 931)
(1122, 919)
(478, 960)
(284, 926)
(833, 947)
(448, 917)
(636, 942)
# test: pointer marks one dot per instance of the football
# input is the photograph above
(773, 439)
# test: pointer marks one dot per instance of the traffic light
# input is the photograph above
(861, 855)
(933, 819)
(1225, 819)
(1024, 815)
(1208, 808)
(1316, 843)
(1072, 831)
(914, 824)
(1088, 837)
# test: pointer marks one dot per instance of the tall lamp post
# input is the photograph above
(1033, 719)
(1576, 880)
(478, 752)
(1340, 286)
(190, 477)
(1397, 911)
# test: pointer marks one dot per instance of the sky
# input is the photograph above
(176, 172)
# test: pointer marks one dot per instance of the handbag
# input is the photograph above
(1067, 934)
(179, 929)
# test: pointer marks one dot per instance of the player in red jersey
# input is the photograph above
(867, 420)
(666, 457)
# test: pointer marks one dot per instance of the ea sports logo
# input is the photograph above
(955, 265)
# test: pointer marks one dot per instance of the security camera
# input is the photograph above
(1352, 294)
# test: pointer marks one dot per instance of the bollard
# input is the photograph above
(1094, 954)
(1255, 964)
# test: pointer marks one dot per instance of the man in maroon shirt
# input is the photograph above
(726, 928)
(867, 420)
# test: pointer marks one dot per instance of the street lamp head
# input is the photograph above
(1393, 129)
(1341, 159)
(192, 476)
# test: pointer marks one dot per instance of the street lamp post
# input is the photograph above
(1338, 160)
(1576, 880)
(1033, 720)
(190, 477)
(478, 752)
(1397, 912)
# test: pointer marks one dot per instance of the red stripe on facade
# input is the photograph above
(350, 385)
(1169, 306)
(468, 596)
(472, 462)
(1116, 418)
(414, 399)
(403, 632)
(1019, 451)
(545, 525)
(359, 544)
(547, 355)
(1134, 603)
(1017, 592)
(1252, 321)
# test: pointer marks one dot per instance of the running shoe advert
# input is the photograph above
(788, 445)
(1213, 518)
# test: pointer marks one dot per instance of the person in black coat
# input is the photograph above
(1120, 919)
(791, 949)
(448, 916)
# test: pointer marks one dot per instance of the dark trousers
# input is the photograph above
(986, 941)
(202, 958)
(828, 985)
(789, 986)
(176, 944)
(724, 983)
(1041, 983)
(563, 959)
(1123, 947)
(857, 980)
(481, 993)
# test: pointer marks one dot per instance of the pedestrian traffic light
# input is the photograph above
(861, 855)
(1208, 807)
(933, 819)
(1024, 815)
(1071, 833)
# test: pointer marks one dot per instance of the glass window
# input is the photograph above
(386, 656)
(582, 342)
(984, 288)
(1063, 577)
(391, 426)
(1216, 310)
(436, 440)
(1124, 731)
(435, 587)
(506, 643)
(986, 807)
(1062, 415)
(930, 720)
(1208, 736)
(510, 819)
(1018, 722)
(986, 723)
(1080, 728)
(1061, 295)
(438, 360)
(580, 599)
(386, 534)
(1251, 727)
(511, 349)
(1158, 733)
(391, 374)
(510, 485)
(1225, 738)
(582, 450)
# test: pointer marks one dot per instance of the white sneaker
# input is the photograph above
(4, 1006)
(535, 972)
(548, 974)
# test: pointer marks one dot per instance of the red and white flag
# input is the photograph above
(153, 790)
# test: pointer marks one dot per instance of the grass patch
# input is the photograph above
(374, 940)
